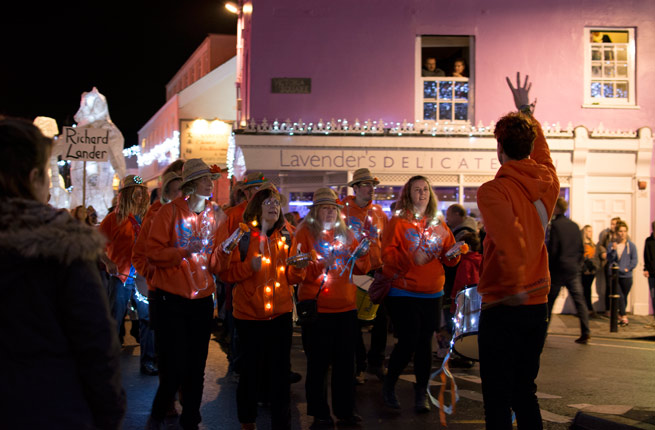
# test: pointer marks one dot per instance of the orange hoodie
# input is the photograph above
(399, 242)
(234, 217)
(139, 260)
(120, 240)
(338, 293)
(368, 221)
(515, 257)
(265, 294)
(172, 231)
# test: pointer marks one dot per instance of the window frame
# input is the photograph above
(610, 103)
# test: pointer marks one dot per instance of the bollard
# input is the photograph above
(614, 299)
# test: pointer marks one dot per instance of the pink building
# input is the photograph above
(326, 88)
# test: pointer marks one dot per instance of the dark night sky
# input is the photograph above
(129, 50)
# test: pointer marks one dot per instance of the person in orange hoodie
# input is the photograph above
(331, 339)
(262, 309)
(122, 227)
(178, 246)
(366, 219)
(414, 248)
(514, 278)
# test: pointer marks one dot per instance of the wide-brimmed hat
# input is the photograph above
(131, 181)
(269, 186)
(195, 168)
(167, 179)
(253, 179)
(363, 175)
(325, 196)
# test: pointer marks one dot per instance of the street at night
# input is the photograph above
(610, 378)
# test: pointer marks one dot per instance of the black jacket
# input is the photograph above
(58, 343)
(649, 256)
(565, 249)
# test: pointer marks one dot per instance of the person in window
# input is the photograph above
(430, 68)
(459, 68)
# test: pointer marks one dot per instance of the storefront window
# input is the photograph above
(446, 197)
(385, 196)
(471, 202)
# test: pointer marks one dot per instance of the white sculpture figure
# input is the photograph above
(59, 197)
(94, 113)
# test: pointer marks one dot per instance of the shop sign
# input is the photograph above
(205, 139)
(85, 144)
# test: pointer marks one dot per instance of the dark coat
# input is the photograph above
(649, 256)
(58, 343)
(565, 249)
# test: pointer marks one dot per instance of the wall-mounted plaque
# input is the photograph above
(291, 85)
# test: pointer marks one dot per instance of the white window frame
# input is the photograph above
(418, 92)
(602, 102)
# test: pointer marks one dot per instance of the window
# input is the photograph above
(444, 76)
(609, 75)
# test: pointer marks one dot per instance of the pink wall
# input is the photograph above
(360, 56)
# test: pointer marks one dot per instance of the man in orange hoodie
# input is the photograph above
(514, 279)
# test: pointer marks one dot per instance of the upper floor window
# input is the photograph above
(444, 76)
(609, 75)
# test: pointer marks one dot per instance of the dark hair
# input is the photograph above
(472, 240)
(620, 224)
(458, 209)
(154, 195)
(254, 208)
(175, 166)
(516, 132)
(22, 148)
(562, 204)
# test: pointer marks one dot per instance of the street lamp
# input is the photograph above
(232, 7)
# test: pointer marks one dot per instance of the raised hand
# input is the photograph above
(521, 92)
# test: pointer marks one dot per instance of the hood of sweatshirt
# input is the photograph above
(532, 178)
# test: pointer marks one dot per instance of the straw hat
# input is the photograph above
(253, 179)
(195, 168)
(325, 196)
(269, 186)
(168, 178)
(131, 181)
(363, 175)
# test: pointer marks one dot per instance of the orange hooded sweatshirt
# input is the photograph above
(139, 259)
(120, 241)
(369, 222)
(173, 229)
(338, 293)
(515, 258)
(402, 238)
(234, 217)
(265, 294)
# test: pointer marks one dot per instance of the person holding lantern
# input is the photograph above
(262, 302)
(178, 246)
(366, 219)
(330, 339)
(414, 249)
(121, 228)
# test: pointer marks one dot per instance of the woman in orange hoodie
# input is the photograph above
(178, 246)
(262, 307)
(413, 251)
(331, 339)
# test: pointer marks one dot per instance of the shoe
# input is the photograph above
(624, 322)
(360, 378)
(322, 422)
(379, 371)
(352, 420)
(149, 368)
(294, 377)
(421, 402)
(584, 339)
(389, 393)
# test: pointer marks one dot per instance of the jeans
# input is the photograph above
(510, 342)
(573, 284)
(124, 294)
(587, 280)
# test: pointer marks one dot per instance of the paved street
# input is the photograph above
(611, 378)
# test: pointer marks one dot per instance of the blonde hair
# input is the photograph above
(315, 227)
(126, 204)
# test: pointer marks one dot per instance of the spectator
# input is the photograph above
(430, 68)
(459, 68)
(623, 252)
(649, 267)
(604, 238)
(590, 266)
(59, 349)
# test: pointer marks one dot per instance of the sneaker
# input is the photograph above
(149, 368)
(360, 378)
(352, 420)
(322, 423)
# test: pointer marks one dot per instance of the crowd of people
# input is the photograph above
(180, 258)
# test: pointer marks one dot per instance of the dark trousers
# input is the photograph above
(625, 285)
(376, 352)
(330, 341)
(510, 342)
(651, 287)
(414, 320)
(182, 331)
(573, 284)
(264, 368)
(123, 295)
(587, 280)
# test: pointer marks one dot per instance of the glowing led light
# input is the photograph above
(254, 223)
(268, 306)
(279, 243)
(268, 289)
(281, 268)
(277, 284)
(284, 239)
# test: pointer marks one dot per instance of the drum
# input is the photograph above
(467, 318)
(366, 310)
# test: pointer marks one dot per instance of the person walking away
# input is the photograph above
(58, 343)
(514, 280)
(624, 253)
(414, 250)
(649, 268)
(565, 258)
